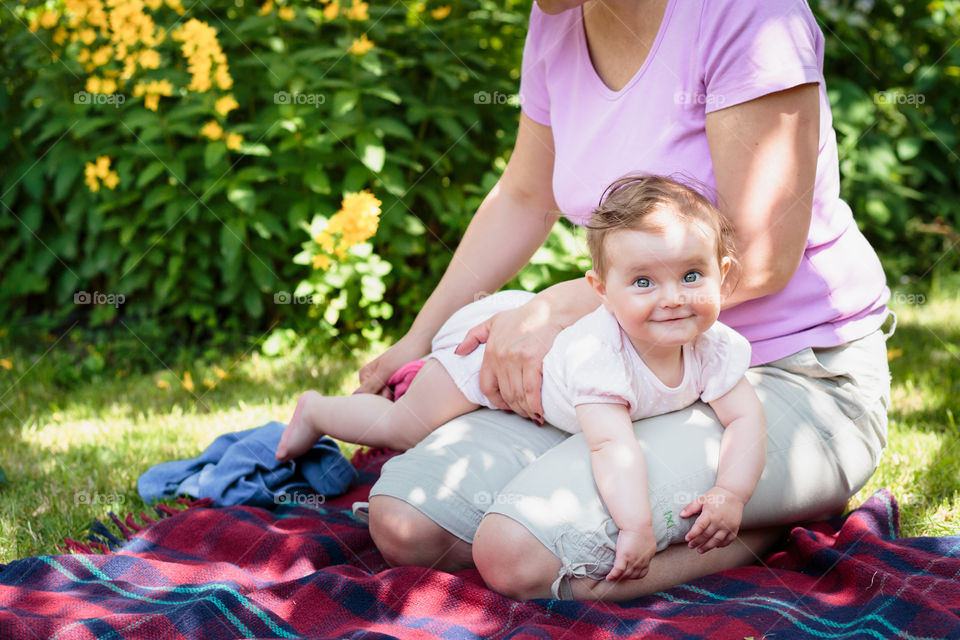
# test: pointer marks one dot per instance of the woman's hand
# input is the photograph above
(517, 340)
(374, 374)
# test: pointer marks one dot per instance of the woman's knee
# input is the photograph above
(406, 537)
(511, 560)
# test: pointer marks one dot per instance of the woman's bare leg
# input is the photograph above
(513, 562)
(406, 537)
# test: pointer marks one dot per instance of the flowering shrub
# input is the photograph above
(230, 162)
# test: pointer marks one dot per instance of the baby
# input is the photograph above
(661, 253)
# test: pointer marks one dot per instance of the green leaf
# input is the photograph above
(345, 101)
(371, 151)
(157, 196)
(356, 178)
(386, 94)
(243, 197)
(232, 235)
(147, 175)
(317, 181)
(213, 153)
(253, 301)
(65, 178)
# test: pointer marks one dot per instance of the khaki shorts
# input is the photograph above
(826, 411)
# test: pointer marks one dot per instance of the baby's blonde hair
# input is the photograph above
(628, 203)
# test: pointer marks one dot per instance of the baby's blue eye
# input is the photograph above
(693, 276)
(642, 282)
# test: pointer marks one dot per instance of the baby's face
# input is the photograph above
(665, 288)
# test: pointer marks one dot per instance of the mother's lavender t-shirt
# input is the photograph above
(708, 55)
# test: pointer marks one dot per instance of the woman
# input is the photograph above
(731, 93)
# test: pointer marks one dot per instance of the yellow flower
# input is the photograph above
(83, 56)
(220, 373)
(225, 105)
(6, 364)
(108, 86)
(153, 5)
(266, 8)
(102, 167)
(163, 384)
(49, 19)
(204, 55)
(149, 59)
(358, 11)
(441, 12)
(110, 182)
(87, 36)
(34, 25)
(93, 84)
(356, 220)
(208, 383)
(152, 101)
(331, 10)
(321, 261)
(212, 130)
(102, 56)
(286, 13)
(234, 140)
(188, 382)
(176, 6)
(60, 35)
(360, 45)
(90, 177)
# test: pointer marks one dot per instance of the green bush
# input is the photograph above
(183, 226)
(893, 75)
(216, 239)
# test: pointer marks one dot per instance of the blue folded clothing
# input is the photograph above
(241, 468)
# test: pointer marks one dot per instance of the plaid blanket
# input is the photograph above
(307, 570)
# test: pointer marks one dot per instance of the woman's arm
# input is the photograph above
(765, 162)
(513, 221)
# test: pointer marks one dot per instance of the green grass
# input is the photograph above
(78, 426)
(72, 451)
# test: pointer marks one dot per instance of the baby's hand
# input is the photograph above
(719, 521)
(634, 551)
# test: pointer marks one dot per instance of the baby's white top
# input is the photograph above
(593, 361)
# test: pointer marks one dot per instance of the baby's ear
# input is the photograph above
(726, 279)
(593, 279)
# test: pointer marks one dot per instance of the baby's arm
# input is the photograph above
(620, 472)
(743, 454)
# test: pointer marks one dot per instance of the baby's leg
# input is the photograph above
(369, 419)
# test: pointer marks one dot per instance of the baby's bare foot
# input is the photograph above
(302, 432)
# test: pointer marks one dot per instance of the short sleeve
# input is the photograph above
(751, 48)
(588, 364)
(724, 356)
(534, 98)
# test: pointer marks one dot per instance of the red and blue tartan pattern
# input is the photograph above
(307, 572)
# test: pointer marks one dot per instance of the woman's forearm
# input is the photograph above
(502, 237)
